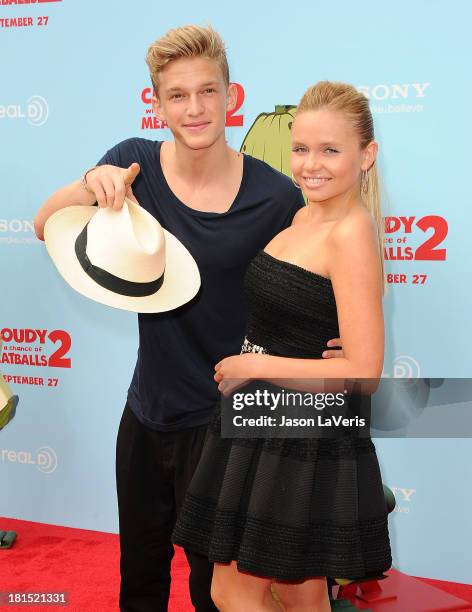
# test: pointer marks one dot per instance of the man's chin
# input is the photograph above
(198, 142)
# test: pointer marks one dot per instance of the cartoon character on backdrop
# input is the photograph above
(268, 138)
(8, 401)
(8, 404)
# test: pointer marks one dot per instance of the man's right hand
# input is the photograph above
(336, 347)
(112, 184)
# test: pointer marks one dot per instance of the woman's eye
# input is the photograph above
(332, 150)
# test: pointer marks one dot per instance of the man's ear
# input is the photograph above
(231, 97)
(157, 106)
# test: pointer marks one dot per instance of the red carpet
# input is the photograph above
(85, 565)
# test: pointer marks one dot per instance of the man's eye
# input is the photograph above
(332, 150)
(176, 96)
(209, 90)
(298, 149)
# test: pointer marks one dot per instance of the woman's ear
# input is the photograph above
(369, 155)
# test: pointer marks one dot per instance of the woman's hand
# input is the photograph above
(235, 371)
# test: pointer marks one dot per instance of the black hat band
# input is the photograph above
(110, 281)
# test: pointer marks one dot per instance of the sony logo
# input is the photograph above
(394, 92)
(16, 225)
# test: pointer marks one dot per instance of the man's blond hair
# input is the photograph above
(187, 41)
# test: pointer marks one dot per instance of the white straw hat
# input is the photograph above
(123, 259)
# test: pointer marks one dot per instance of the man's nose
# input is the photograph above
(195, 105)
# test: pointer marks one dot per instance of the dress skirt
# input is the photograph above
(288, 509)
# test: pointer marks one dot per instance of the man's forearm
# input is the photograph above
(72, 194)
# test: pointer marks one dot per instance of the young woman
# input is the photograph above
(295, 511)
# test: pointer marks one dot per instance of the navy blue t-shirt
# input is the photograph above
(172, 386)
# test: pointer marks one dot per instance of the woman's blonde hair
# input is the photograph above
(187, 41)
(346, 99)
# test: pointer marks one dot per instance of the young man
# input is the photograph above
(224, 207)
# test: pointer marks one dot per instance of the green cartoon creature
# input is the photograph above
(8, 401)
(268, 138)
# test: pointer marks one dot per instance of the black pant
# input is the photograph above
(153, 471)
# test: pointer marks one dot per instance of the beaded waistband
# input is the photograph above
(250, 347)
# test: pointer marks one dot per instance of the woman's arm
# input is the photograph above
(69, 195)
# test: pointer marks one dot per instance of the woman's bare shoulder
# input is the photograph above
(300, 216)
(356, 227)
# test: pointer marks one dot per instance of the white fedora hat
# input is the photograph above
(123, 259)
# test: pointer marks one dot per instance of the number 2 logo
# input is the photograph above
(427, 251)
(58, 359)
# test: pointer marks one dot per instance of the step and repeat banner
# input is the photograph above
(74, 83)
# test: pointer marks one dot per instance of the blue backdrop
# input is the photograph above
(74, 82)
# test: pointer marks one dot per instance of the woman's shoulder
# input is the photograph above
(300, 216)
(356, 227)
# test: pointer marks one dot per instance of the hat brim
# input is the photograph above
(181, 277)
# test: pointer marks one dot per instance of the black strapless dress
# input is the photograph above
(288, 508)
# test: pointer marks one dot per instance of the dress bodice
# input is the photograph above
(292, 311)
